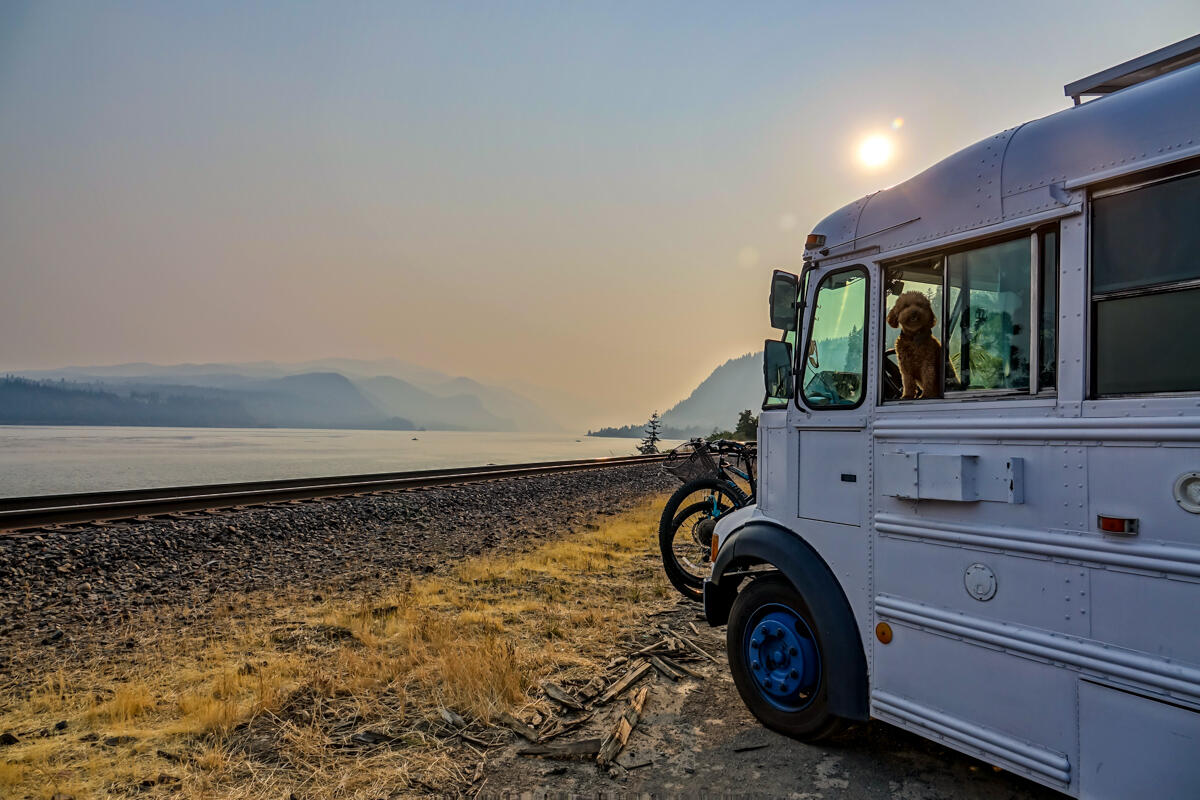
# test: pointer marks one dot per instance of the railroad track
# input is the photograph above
(27, 513)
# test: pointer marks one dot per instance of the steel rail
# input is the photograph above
(24, 513)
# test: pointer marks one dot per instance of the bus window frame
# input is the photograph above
(1035, 235)
(1123, 185)
(801, 356)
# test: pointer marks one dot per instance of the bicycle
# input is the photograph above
(710, 490)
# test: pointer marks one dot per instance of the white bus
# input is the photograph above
(1008, 562)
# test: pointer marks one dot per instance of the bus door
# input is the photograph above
(833, 444)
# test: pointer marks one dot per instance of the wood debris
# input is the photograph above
(697, 648)
(562, 725)
(661, 644)
(667, 672)
(683, 668)
(561, 695)
(620, 734)
(592, 688)
(639, 668)
(583, 748)
(522, 730)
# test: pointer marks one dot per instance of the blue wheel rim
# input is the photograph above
(782, 658)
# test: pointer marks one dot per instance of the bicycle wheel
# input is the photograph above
(686, 527)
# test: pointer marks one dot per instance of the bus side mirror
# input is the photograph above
(777, 368)
(784, 286)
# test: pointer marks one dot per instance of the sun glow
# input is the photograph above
(875, 150)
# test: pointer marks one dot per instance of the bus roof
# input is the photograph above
(1025, 172)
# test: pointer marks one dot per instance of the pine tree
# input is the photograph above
(650, 442)
(747, 427)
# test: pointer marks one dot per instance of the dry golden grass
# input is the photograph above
(262, 699)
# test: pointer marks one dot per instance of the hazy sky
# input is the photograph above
(584, 196)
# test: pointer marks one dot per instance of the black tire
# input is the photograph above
(761, 614)
(684, 558)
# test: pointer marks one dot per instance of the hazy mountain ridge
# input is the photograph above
(436, 412)
(333, 392)
(713, 405)
(732, 387)
(295, 405)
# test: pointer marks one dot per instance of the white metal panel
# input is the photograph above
(1152, 615)
(897, 475)
(1130, 746)
(1036, 592)
(957, 477)
(774, 466)
(832, 476)
(1137, 480)
(1145, 120)
(1005, 698)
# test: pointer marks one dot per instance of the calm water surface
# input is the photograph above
(60, 460)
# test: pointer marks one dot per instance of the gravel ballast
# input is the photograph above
(58, 587)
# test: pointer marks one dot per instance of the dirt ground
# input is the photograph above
(409, 685)
(696, 738)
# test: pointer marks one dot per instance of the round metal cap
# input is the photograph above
(980, 581)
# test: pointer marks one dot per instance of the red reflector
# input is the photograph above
(1117, 524)
(814, 240)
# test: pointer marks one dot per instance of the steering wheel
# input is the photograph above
(893, 383)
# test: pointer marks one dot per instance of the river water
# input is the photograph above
(61, 460)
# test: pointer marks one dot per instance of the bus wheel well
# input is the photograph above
(758, 543)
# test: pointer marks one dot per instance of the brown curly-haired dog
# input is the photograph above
(917, 349)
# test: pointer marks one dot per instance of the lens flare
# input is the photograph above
(897, 123)
(747, 257)
(875, 150)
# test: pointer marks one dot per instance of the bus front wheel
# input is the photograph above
(775, 657)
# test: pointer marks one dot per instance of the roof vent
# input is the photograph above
(1142, 68)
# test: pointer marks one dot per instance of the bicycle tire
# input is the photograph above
(675, 513)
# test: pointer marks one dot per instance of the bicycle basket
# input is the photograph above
(687, 463)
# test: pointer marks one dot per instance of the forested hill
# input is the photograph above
(732, 387)
(735, 385)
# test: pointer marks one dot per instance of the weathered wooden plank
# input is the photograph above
(667, 672)
(616, 740)
(578, 749)
(681, 668)
(697, 648)
(661, 644)
(556, 692)
(635, 672)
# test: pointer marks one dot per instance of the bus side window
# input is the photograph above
(1146, 288)
(987, 325)
(925, 276)
(988, 342)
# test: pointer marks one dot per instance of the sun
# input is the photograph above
(875, 150)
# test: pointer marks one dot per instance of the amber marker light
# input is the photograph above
(714, 546)
(883, 632)
(814, 241)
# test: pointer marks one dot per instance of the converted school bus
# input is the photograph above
(1011, 568)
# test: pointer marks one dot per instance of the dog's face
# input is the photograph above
(912, 313)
